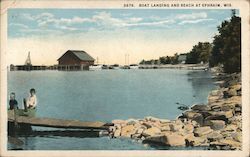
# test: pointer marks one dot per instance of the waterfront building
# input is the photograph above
(75, 60)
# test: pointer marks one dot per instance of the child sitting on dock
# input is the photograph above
(31, 101)
(13, 103)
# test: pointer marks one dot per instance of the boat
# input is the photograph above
(96, 67)
(134, 66)
(105, 67)
(125, 67)
(116, 66)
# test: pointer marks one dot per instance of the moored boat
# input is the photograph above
(96, 67)
(134, 66)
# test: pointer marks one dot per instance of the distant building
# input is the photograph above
(182, 58)
(75, 60)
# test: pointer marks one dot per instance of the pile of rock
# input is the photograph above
(217, 124)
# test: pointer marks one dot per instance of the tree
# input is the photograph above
(227, 45)
(199, 53)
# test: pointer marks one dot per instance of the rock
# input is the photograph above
(215, 93)
(189, 128)
(229, 93)
(147, 124)
(192, 115)
(212, 99)
(164, 121)
(175, 127)
(202, 131)
(136, 136)
(127, 131)
(200, 107)
(132, 121)
(215, 124)
(237, 136)
(236, 87)
(191, 140)
(165, 128)
(231, 127)
(227, 114)
(117, 133)
(205, 114)
(195, 124)
(151, 132)
(230, 143)
(215, 135)
(140, 130)
(215, 107)
(216, 117)
(169, 139)
(225, 107)
(112, 129)
(152, 119)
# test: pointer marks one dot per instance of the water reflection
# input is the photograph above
(201, 82)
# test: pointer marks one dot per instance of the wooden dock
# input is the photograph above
(57, 123)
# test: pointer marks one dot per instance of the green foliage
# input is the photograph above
(200, 53)
(162, 60)
(227, 45)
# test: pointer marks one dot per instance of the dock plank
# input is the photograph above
(57, 123)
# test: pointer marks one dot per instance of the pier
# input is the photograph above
(56, 123)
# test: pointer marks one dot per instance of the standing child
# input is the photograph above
(13, 103)
(31, 101)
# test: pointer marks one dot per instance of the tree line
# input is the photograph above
(224, 51)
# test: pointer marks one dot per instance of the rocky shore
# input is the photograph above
(215, 125)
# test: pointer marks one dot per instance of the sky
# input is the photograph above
(108, 34)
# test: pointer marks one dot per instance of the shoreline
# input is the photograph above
(216, 124)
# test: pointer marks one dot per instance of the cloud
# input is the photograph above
(194, 21)
(104, 20)
(101, 19)
(19, 25)
(192, 16)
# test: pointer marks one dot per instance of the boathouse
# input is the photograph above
(75, 60)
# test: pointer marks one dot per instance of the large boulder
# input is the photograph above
(215, 124)
(165, 127)
(213, 99)
(153, 131)
(215, 93)
(231, 143)
(227, 114)
(188, 128)
(215, 135)
(194, 116)
(117, 133)
(169, 139)
(147, 124)
(231, 128)
(216, 117)
(127, 131)
(201, 131)
(175, 127)
(200, 107)
(132, 121)
(191, 140)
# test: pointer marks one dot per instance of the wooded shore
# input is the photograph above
(215, 125)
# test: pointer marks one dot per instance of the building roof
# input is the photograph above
(82, 55)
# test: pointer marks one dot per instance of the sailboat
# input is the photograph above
(96, 66)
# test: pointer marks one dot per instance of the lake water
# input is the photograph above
(106, 95)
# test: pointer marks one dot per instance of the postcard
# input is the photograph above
(125, 78)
